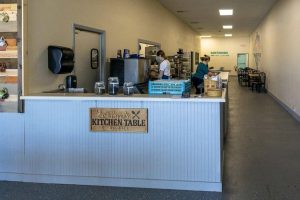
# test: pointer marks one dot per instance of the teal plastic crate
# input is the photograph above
(174, 87)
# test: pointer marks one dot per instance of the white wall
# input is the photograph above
(125, 21)
(280, 49)
(233, 46)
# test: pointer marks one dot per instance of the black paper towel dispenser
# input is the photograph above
(60, 59)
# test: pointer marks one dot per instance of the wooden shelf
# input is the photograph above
(11, 25)
(10, 104)
(9, 77)
(9, 72)
(9, 80)
(8, 27)
(9, 7)
(9, 54)
(11, 98)
(12, 15)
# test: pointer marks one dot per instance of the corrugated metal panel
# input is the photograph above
(11, 142)
(183, 142)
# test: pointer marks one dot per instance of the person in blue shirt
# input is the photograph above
(202, 70)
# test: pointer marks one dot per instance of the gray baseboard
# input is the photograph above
(288, 109)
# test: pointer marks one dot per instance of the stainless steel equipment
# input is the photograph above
(136, 70)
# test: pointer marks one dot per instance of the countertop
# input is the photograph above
(121, 97)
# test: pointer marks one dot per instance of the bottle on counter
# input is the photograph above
(126, 53)
(119, 54)
(113, 85)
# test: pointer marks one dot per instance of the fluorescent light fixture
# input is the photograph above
(205, 36)
(226, 12)
(228, 35)
(227, 27)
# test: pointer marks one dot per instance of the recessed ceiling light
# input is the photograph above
(227, 27)
(226, 12)
(228, 35)
(205, 36)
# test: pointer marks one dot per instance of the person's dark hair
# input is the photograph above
(161, 53)
(205, 58)
(208, 57)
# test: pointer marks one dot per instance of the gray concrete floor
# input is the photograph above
(262, 152)
(262, 161)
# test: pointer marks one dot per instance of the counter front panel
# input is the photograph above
(180, 151)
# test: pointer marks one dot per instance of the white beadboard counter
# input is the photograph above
(52, 142)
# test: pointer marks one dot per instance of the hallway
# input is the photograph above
(262, 160)
(262, 151)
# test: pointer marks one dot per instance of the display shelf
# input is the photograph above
(8, 27)
(10, 104)
(9, 7)
(9, 54)
(9, 72)
(12, 88)
(10, 76)
(10, 99)
(12, 15)
(9, 79)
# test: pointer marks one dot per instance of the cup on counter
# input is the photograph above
(128, 88)
(100, 88)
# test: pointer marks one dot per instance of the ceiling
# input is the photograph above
(203, 15)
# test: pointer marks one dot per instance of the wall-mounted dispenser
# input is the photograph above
(60, 59)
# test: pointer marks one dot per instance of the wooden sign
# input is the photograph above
(119, 120)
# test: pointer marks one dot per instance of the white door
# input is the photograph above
(84, 42)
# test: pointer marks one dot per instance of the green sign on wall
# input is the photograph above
(219, 53)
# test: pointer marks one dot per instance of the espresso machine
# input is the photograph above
(135, 70)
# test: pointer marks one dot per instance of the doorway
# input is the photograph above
(242, 60)
(148, 49)
(86, 42)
